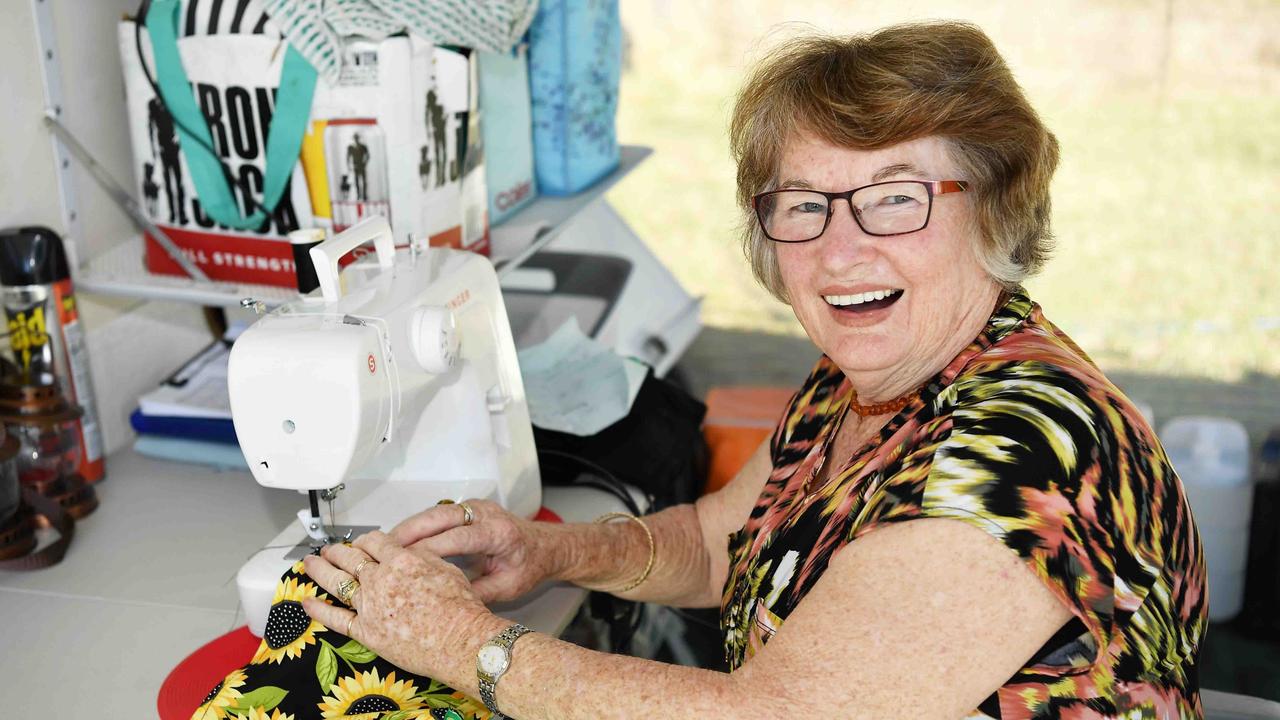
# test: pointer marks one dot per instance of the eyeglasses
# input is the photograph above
(896, 207)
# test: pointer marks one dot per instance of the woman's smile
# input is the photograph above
(864, 308)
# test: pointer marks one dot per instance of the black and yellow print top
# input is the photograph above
(1022, 436)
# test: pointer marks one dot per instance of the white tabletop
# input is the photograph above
(150, 577)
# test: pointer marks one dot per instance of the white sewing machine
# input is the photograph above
(402, 392)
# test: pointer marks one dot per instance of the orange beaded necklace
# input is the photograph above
(882, 408)
(891, 406)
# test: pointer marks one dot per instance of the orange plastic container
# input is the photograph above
(738, 420)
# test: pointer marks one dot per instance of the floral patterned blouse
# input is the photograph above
(1022, 436)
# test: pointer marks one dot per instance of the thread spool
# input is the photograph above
(302, 241)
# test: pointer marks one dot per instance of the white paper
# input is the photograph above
(199, 388)
(576, 385)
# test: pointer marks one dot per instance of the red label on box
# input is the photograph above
(262, 261)
(234, 258)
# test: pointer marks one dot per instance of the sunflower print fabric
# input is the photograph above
(1022, 436)
(304, 670)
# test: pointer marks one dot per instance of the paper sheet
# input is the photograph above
(199, 388)
(576, 385)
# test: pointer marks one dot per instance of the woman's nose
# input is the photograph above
(844, 243)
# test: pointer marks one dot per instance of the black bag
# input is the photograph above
(658, 447)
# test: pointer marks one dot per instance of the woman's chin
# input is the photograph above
(865, 354)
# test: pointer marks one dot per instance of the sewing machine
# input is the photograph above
(382, 400)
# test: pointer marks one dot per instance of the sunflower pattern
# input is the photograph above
(304, 670)
(223, 695)
(1022, 436)
(366, 693)
(257, 713)
(289, 629)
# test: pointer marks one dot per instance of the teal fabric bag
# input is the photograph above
(284, 139)
(575, 63)
(508, 139)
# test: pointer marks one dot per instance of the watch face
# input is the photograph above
(493, 659)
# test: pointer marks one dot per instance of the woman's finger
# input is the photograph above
(325, 574)
(470, 540)
(346, 558)
(425, 524)
(335, 618)
(379, 546)
(432, 521)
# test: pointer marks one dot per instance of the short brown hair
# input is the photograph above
(904, 82)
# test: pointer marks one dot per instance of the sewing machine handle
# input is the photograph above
(325, 256)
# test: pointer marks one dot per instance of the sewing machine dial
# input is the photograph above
(435, 338)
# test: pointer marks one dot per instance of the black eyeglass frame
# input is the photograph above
(932, 187)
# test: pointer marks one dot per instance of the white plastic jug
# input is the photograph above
(1211, 455)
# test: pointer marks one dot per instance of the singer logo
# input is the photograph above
(459, 300)
(373, 364)
(509, 198)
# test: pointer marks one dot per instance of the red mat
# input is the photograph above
(193, 678)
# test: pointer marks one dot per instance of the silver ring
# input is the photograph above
(468, 515)
(347, 590)
(360, 566)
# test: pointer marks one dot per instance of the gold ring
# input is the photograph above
(468, 515)
(347, 589)
(360, 566)
(350, 622)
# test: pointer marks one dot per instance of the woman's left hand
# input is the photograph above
(412, 608)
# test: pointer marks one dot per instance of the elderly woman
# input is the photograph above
(957, 516)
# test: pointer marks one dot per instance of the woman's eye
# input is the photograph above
(809, 207)
(897, 200)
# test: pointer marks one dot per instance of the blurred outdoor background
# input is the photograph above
(1167, 269)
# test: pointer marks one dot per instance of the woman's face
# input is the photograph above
(937, 290)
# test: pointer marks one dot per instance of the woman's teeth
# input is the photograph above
(859, 298)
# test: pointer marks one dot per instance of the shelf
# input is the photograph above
(527, 231)
(120, 270)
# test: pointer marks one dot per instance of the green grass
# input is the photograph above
(1165, 205)
(1169, 257)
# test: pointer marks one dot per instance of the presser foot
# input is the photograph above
(340, 534)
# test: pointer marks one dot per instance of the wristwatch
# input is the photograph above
(492, 661)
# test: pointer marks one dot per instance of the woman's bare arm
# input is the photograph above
(922, 619)
(691, 542)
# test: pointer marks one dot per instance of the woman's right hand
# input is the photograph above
(518, 554)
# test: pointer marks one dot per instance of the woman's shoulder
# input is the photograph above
(1036, 374)
(1045, 453)
(1033, 410)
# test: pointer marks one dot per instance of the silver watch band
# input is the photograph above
(504, 639)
